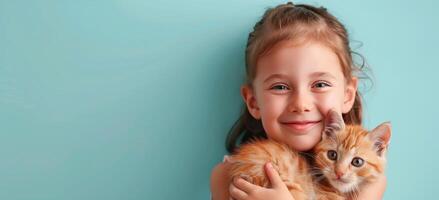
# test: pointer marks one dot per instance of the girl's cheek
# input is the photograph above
(329, 101)
(273, 105)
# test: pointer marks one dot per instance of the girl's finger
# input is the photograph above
(236, 193)
(244, 185)
(273, 176)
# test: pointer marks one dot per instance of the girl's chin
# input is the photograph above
(303, 142)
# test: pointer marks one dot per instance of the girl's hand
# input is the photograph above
(374, 190)
(240, 189)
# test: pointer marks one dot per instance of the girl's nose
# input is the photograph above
(300, 102)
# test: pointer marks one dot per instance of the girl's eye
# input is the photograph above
(281, 87)
(321, 84)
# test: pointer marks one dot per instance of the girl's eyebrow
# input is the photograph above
(275, 76)
(313, 75)
(323, 74)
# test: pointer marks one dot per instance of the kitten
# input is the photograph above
(344, 160)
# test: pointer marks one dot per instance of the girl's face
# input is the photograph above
(294, 88)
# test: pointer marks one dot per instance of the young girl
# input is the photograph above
(299, 66)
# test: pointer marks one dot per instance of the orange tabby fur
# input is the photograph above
(297, 172)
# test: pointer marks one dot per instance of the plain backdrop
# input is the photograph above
(132, 99)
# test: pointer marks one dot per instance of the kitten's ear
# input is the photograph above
(333, 124)
(381, 136)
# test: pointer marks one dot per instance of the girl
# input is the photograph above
(299, 66)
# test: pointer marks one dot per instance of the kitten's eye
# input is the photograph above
(332, 155)
(357, 162)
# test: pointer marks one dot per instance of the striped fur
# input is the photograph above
(316, 178)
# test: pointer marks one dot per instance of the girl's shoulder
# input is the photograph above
(219, 180)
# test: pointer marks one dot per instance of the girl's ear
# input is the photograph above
(349, 95)
(249, 98)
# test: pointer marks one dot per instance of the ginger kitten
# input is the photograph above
(346, 158)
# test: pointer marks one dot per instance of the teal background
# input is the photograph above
(131, 99)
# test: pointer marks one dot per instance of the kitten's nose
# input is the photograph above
(339, 174)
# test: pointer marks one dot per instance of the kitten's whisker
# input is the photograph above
(318, 179)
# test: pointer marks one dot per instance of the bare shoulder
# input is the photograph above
(219, 181)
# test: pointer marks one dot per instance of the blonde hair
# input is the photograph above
(297, 23)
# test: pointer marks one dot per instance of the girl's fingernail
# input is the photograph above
(269, 165)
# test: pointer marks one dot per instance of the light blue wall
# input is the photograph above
(132, 99)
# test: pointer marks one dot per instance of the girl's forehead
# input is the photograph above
(309, 59)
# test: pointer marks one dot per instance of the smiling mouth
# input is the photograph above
(301, 127)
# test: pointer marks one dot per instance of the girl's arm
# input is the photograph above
(375, 190)
(219, 182)
(219, 185)
(222, 188)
